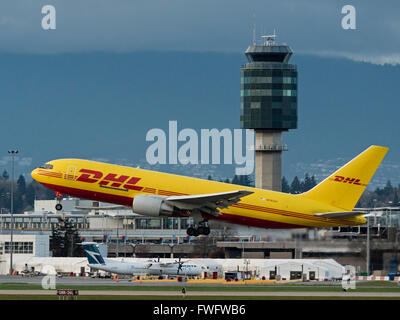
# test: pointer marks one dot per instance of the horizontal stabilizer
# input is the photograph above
(340, 215)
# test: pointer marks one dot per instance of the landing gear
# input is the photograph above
(59, 197)
(192, 231)
(202, 228)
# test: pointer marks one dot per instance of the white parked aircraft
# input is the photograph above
(97, 262)
(176, 268)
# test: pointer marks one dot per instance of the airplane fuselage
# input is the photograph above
(174, 269)
(119, 185)
(122, 267)
(150, 268)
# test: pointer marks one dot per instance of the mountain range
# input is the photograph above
(101, 105)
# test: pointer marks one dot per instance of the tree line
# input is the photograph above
(297, 185)
(25, 193)
(386, 196)
(64, 240)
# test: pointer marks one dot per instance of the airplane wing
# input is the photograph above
(208, 202)
(340, 215)
(164, 265)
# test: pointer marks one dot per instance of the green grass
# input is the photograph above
(376, 286)
(216, 297)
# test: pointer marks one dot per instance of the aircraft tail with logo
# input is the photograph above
(92, 253)
(344, 188)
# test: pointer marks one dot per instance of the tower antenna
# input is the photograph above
(254, 30)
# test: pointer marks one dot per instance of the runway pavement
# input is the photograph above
(87, 281)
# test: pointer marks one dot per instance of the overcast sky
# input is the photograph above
(309, 26)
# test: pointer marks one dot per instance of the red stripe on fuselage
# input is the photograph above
(127, 201)
(91, 195)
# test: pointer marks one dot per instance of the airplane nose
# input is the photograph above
(34, 174)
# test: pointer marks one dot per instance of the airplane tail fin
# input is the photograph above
(92, 253)
(344, 187)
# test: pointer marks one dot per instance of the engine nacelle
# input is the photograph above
(154, 206)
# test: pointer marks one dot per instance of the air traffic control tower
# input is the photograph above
(268, 104)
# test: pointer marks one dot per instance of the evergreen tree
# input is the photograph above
(302, 188)
(21, 184)
(313, 182)
(235, 180)
(19, 199)
(5, 175)
(64, 240)
(307, 183)
(245, 180)
(388, 190)
(396, 201)
(295, 187)
(209, 177)
(285, 185)
(57, 242)
(30, 195)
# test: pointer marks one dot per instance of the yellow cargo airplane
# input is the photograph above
(157, 194)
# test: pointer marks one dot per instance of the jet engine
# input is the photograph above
(155, 206)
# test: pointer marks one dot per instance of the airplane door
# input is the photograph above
(71, 173)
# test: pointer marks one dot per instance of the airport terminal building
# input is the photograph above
(131, 236)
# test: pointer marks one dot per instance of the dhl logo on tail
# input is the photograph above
(348, 180)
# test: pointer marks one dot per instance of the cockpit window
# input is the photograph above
(47, 166)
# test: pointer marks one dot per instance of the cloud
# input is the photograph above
(24, 162)
(22, 166)
(21, 162)
(392, 59)
(311, 26)
(4, 161)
